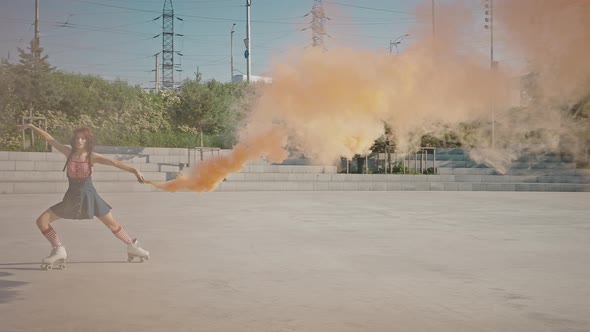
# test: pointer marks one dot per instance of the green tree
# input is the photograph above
(10, 107)
(385, 141)
(31, 77)
(206, 108)
(22, 88)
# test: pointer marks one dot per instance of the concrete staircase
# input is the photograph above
(40, 172)
(455, 172)
(548, 172)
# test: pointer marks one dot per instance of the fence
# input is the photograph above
(201, 152)
(393, 162)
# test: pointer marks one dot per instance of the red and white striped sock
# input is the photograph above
(52, 237)
(122, 235)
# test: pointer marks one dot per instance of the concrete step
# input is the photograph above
(545, 158)
(286, 169)
(127, 158)
(522, 179)
(49, 176)
(463, 155)
(30, 187)
(289, 161)
(450, 151)
(396, 186)
(103, 149)
(34, 156)
(29, 165)
(513, 165)
(466, 171)
(536, 172)
(311, 169)
(53, 187)
(302, 177)
(258, 161)
(543, 165)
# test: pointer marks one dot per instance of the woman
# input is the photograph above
(81, 201)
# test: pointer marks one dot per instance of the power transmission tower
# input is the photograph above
(168, 45)
(318, 21)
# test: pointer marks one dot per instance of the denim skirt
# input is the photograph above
(81, 201)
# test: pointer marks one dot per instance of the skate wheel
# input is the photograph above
(141, 260)
(48, 267)
(129, 259)
(62, 266)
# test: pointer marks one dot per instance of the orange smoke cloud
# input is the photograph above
(553, 36)
(328, 105)
(335, 103)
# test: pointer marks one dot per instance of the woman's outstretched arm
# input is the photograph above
(48, 138)
(100, 159)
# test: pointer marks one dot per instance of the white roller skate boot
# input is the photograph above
(134, 250)
(58, 256)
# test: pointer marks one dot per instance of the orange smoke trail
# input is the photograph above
(206, 175)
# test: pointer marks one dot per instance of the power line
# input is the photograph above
(102, 29)
(185, 15)
(160, 1)
(381, 23)
(370, 8)
(370, 19)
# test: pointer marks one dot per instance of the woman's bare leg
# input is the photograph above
(45, 219)
(114, 226)
(43, 222)
(110, 221)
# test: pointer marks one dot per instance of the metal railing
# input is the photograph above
(201, 152)
(420, 160)
(42, 123)
(417, 162)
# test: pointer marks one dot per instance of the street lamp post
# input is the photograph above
(489, 5)
(248, 42)
(396, 42)
(433, 31)
(231, 49)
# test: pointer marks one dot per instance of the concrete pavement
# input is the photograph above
(305, 261)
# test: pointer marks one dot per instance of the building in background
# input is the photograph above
(243, 78)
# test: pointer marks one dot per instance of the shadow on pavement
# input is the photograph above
(68, 262)
(7, 292)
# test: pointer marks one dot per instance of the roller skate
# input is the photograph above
(134, 250)
(58, 257)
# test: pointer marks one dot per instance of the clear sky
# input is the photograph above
(115, 38)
